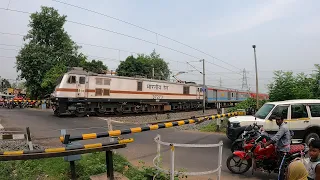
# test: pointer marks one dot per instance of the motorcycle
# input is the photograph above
(264, 159)
(250, 134)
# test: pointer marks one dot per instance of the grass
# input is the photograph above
(212, 127)
(58, 169)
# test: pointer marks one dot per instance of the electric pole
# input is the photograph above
(204, 85)
(152, 72)
(257, 90)
(244, 80)
(220, 82)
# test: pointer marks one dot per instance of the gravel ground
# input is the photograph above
(160, 117)
(17, 145)
(195, 127)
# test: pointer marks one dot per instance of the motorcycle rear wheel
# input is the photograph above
(232, 158)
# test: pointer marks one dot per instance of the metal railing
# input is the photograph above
(172, 172)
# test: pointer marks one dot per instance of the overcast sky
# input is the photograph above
(286, 33)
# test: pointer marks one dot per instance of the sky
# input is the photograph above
(286, 34)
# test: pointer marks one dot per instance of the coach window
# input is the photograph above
(82, 80)
(186, 90)
(72, 80)
(315, 110)
(139, 86)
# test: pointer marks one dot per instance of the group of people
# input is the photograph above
(297, 169)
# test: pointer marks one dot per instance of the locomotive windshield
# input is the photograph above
(264, 111)
(58, 81)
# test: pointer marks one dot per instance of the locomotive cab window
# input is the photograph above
(72, 80)
(82, 80)
(186, 90)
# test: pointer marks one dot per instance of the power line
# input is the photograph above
(112, 32)
(115, 32)
(93, 45)
(157, 34)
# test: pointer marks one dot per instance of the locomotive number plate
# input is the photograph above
(157, 96)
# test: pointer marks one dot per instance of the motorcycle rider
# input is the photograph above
(282, 141)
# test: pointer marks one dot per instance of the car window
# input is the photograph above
(315, 110)
(264, 111)
(298, 111)
(281, 111)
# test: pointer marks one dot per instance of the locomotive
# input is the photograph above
(81, 92)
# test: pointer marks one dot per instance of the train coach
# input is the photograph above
(80, 92)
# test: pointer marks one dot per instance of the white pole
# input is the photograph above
(158, 149)
(220, 160)
(110, 129)
(172, 163)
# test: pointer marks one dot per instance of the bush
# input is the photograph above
(249, 103)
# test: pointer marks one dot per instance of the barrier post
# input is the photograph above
(172, 162)
(29, 141)
(158, 149)
(70, 158)
(220, 160)
(109, 165)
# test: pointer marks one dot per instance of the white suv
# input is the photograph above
(301, 115)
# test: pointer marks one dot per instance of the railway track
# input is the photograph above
(128, 114)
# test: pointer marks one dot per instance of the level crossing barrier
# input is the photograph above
(69, 151)
(172, 172)
(149, 127)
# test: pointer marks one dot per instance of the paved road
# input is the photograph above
(44, 124)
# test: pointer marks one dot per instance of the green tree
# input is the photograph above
(48, 53)
(5, 83)
(316, 83)
(48, 45)
(286, 86)
(143, 65)
(94, 66)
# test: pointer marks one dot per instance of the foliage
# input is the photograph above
(249, 103)
(48, 53)
(94, 66)
(88, 165)
(5, 83)
(142, 66)
(288, 86)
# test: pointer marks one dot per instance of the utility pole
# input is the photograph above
(204, 85)
(152, 72)
(257, 90)
(220, 82)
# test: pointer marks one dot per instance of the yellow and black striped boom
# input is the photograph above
(149, 127)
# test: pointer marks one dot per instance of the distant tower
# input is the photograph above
(244, 80)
